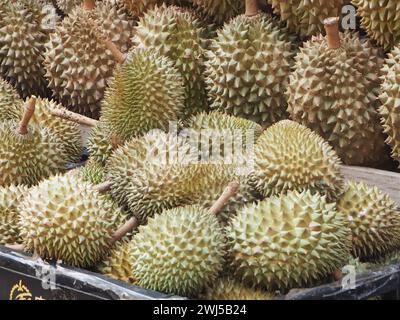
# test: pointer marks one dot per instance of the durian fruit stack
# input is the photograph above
(164, 202)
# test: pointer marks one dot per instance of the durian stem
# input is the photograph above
(251, 8)
(130, 225)
(229, 192)
(88, 4)
(17, 247)
(29, 111)
(332, 32)
(74, 117)
(119, 57)
(103, 187)
(337, 275)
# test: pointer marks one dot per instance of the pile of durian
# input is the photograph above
(150, 207)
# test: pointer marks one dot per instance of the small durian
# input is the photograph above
(380, 18)
(306, 17)
(146, 92)
(179, 251)
(289, 156)
(176, 33)
(333, 90)
(10, 197)
(248, 68)
(77, 62)
(390, 98)
(9, 102)
(117, 265)
(220, 10)
(230, 289)
(373, 218)
(64, 218)
(29, 153)
(288, 241)
(24, 30)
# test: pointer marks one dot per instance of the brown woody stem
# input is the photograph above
(88, 4)
(74, 117)
(119, 57)
(251, 8)
(103, 187)
(130, 225)
(229, 192)
(29, 111)
(332, 32)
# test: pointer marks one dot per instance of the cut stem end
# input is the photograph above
(28, 114)
(332, 32)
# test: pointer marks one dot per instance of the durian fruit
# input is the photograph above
(24, 30)
(10, 197)
(248, 68)
(78, 64)
(306, 17)
(117, 264)
(176, 33)
(289, 156)
(101, 143)
(139, 7)
(390, 98)
(64, 218)
(92, 172)
(67, 6)
(9, 102)
(288, 241)
(221, 10)
(230, 289)
(381, 20)
(333, 90)
(373, 218)
(29, 153)
(147, 92)
(160, 171)
(179, 251)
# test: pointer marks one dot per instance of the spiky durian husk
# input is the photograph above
(179, 251)
(230, 289)
(221, 10)
(139, 7)
(289, 156)
(9, 101)
(24, 30)
(78, 65)
(92, 172)
(334, 92)
(307, 17)
(287, 241)
(67, 6)
(27, 159)
(10, 198)
(373, 219)
(118, 265)
(248, 69)
(64, 218)
(390, 110)
(180, 40)
(381, 20)
(146, 92)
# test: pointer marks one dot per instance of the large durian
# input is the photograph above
(289, 156)
(78, 63)
(179, 251)
(333, 90)
(390, 98)
(28, 152)
(230, 289)
(10, 197)
(64, 218)
(288, 241)
(176, 33)
(380, 18)
(24, 30)
(9, 102)
(306, 17)
(248, 69)
(220, 10)
(147, 92)
(373, 218)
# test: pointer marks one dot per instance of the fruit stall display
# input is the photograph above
(98, 191)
